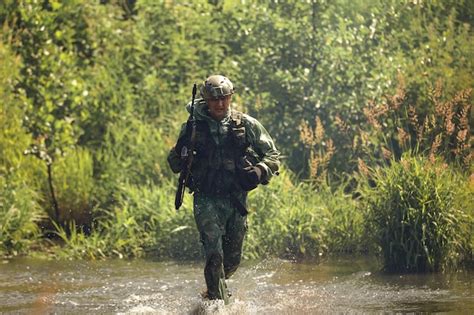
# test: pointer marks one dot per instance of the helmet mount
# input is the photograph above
(216, 86)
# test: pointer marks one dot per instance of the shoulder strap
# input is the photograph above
(236, 118)
(238, 130)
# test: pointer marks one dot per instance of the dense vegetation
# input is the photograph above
(369, 103)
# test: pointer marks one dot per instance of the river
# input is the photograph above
(272, 286)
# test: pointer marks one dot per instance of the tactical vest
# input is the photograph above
(214, 166)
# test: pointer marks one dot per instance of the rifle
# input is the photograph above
(187, 156)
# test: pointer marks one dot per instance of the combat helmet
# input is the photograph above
(216, 86)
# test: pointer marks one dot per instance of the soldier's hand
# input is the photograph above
(250, 177)
(174, 161)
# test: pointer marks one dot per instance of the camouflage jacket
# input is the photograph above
(260, 144)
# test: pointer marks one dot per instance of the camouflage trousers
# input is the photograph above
(222, 229)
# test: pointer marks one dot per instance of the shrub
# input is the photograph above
(133, 152)
(19, 214)
(420, 214)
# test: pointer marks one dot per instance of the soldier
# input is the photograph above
(232, 154)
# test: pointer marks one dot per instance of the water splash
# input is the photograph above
(264, 287)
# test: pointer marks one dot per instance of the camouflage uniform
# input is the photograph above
(219, 198)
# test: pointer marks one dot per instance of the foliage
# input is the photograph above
(133, 152)
(172, 233)
(19, 215)
(74, 185)
(301, 60)
(117, 234)
(19, 208)
(143, 222)
(96, 90)
(306, 222)
(51, 91)
(421, 215)
(298, 225)
(395, 126)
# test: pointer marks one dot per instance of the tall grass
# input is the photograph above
(19, 215)
(19, 209)
(116, 235)
(440, 130)
(143, 222)
(172, 233)
(300, 221)
(421, 215)
(419, 209)
(133, 152)
(73, 183)
(286, 220)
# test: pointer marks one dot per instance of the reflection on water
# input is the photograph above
(341, 285)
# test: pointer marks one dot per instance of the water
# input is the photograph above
(338, 285)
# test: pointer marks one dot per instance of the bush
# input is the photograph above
(420, 215)
(133, 152)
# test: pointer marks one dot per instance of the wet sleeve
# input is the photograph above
(263, 144)
(174, 160)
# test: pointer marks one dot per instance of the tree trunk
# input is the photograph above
(53, 195)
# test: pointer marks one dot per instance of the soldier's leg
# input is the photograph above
(211, 230)
(232, 243)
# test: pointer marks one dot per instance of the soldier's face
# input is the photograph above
(219, 108)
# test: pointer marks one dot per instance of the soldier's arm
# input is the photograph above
(263, 144)
(174, 159)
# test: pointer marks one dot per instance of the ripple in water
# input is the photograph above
(265, 287)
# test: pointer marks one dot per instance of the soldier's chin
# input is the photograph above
(219, 115)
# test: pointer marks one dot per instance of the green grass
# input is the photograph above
(298, 220)
(19, 215)
(420, 215)
(286, 220)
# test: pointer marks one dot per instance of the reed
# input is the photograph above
(321, 149)
(420, 214)
(438, 127)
